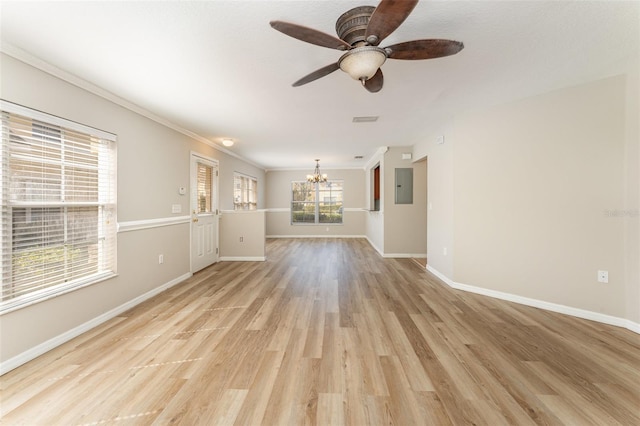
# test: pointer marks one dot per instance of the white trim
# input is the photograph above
(242, 259)
(380, 252)
(288, 209)
(404, 255)
(29, 59)
(242, 211)
(204, 157)
(54, 119)
(633, 326)
(54, 342)
(315, 236)
(440, 275)
(38, 296)
(395, 255)
(135, 225)
(376, 157)
(541, 304)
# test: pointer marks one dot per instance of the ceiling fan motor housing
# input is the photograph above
(352, 25)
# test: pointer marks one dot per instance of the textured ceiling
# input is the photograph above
(216, 68)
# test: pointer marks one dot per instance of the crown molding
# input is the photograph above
(29, 59)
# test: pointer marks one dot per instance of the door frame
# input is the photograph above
(193, 158)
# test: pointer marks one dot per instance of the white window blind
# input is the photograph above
(58, 206)
(204, 185)
(245, 192)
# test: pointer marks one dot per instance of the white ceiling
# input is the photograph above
(216, 68)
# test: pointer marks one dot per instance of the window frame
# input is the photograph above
(317, 202)
(71, 203)
(246, 192)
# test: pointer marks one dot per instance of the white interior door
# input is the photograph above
(204, 212)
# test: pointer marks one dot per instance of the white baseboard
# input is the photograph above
(633, 326)
(395, 255)
(541, 304)
(316, 236)
(242, 258)
(405, 255)
(376, 248)
(54, 342)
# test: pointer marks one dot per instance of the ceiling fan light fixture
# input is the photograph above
(361, 63)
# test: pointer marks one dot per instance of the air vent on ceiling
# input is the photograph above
(365, 119)
(358, 157)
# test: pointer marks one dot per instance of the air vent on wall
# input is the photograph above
(365, 119)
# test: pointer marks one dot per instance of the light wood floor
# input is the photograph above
(328, 332)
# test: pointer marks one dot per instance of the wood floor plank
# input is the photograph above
(326, 331)
(257, 399)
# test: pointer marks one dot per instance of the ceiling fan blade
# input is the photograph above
(387, 17)
(309, 35)
(317, 74)
(424, 49)
(374, 84)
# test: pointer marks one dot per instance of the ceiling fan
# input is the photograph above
(360, 30)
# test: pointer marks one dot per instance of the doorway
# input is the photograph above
(204, 212)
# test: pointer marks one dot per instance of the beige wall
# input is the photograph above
(242, 235)
(519, 194)
(278, 202)
(632, 195)
(153, 162)
(375, 219)
(405, 225)
(532, 180)
(439, 195)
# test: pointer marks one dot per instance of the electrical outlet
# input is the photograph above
(160, 259)
(603, 276)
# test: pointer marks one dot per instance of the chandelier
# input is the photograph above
(317, 176)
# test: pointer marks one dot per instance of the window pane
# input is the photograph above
(245, 192)
(303, 191)
(34, 228)
(316, 203)
(302, 212)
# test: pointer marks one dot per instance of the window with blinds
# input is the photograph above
(245, 192)
(204, 184)
(58, 190)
